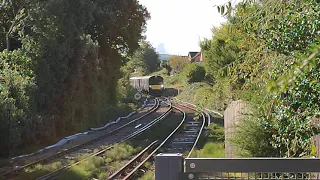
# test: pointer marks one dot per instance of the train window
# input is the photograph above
(156, 81)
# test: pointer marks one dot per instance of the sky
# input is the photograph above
(177, 26)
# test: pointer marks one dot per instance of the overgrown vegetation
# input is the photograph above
(39, 170)
(266, 54)
(178, 63)
(102, 167)
(277, 73)
(95, 167)
(194, 73)
(144, 61)
(211, 145)
(60, 66)
(149, 175)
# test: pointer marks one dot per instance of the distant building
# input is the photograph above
(195, 57)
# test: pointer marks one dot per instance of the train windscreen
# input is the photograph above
(157, 80)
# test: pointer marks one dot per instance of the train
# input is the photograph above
(152, 85)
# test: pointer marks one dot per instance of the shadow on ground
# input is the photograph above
(170, 92)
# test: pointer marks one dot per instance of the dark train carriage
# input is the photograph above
(156, 86)
(152, 85)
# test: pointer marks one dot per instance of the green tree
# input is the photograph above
(151, 57)
(13, 13)
(73, 54)
(194, 73)
(278, 39)
(145, 60)
(177, 63)
(15, 104)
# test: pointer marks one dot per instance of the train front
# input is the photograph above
(156, 86)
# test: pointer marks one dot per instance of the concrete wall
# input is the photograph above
(232, 115)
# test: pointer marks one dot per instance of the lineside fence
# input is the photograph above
(171, 167)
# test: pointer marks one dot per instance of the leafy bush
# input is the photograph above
(215, 97)
(213, 143)
(15, 104)
(194, 73)
(275, 43)
(298, 29)
(72, 60)
(216, 132)
(210, 150)
(252, 140)
(163, 72)
(178, 63)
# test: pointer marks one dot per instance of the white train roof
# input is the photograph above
(141, 77)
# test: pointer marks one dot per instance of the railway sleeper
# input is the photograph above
(183, 142)
(193, 122)
(186, 135)
(192, 125)
(181, 139)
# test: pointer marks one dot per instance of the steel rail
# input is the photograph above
(201, 129)
(76, 147)
(114, 175)
(55, 174)
(157, 148)
(151, 154)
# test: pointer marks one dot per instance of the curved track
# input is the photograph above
(55, 174)
(117, 135)
(128, 171)
(186, 139)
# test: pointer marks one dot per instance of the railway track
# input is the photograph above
(186, 139)
(55, 174)
(120, 134)
(137, 162)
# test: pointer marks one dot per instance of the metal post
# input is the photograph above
(9, 133)
(168, 166)
(8, 42)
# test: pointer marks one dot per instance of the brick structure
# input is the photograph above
(195, 57)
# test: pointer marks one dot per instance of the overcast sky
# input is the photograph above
(176, 26)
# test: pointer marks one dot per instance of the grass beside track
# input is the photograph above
(212, 145)
(102, 167)
(109, 162)
(111, 113)
(149, 175)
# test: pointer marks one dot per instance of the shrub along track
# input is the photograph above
(125, 131)
(130, 170)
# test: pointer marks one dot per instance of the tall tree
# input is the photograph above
(151, 57)
(13, 12)
(145, 60)
(177, 63)
(74, 54)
